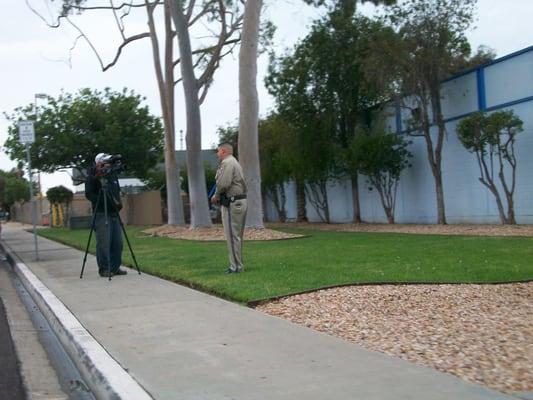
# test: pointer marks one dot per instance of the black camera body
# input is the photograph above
(112, 165)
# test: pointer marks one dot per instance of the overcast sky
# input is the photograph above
(36, 59)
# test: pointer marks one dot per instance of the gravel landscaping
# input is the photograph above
(482, 333)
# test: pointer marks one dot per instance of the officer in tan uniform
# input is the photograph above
(231, 194)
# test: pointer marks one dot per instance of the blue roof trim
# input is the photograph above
(481, 92)
(488, 109)
(496, 61)
(510, 103)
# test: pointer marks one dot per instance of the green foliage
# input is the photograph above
(325, 97)
(13, 188)
(378, 156)
(472, 134)
(156, 180)
(276, 166)
(230, 135)
(284, 267)
(72, 129)
(209, 178)
(59, 195)
(432, 42)
(347, 4)
(490, 133)
(483, 56)
(70, 6)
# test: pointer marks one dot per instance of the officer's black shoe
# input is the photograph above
(232, 271)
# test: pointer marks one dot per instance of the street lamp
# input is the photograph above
(40, 194)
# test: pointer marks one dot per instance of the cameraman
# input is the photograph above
(108, 233)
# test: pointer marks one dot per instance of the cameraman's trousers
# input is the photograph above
(108, 242)
(233, 219)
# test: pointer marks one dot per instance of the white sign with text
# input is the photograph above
(26, 132)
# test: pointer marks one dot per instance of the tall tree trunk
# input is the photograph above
(487, 180)
(441, 213)
(355, 199)
(317, 193)
(510, 211)
(166, 95)
(249, 112)
(200, 216)
(492, 187)
(508, 191)
(301, 212)
(279, 200)
(434, 153)
(283, 203)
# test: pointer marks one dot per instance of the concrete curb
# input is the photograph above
(101, 372)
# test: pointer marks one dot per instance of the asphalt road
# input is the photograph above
(10, 380)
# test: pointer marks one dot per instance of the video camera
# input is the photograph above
(109, 164)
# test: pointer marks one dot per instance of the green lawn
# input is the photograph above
(323, 259)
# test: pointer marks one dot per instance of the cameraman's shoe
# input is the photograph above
(105, 274)
(120, 272)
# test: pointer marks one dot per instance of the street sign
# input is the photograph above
(26, 132)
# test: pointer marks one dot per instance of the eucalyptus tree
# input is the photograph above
(249, 112)
(429, 45)
(492, 138)
(205, 59)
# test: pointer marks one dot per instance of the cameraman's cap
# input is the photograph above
(101, 157)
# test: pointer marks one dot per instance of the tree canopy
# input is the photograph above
(59, 194)
(13, 187)
(73, 128)
(381, 158)
(492, 137)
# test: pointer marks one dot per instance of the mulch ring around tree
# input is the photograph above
(216, 233)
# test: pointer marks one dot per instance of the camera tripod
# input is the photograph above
(103, 193)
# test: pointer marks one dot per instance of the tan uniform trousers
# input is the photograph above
(233, 219)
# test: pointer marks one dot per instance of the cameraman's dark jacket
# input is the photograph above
(92, 189)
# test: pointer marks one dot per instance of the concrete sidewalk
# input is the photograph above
(138, 337)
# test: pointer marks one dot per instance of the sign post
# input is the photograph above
(26, 137)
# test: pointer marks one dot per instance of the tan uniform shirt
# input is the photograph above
(230, 178)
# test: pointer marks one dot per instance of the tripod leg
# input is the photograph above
(108, 230)
(129, 245)
(90, 235)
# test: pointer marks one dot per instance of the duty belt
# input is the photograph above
(237, 197)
